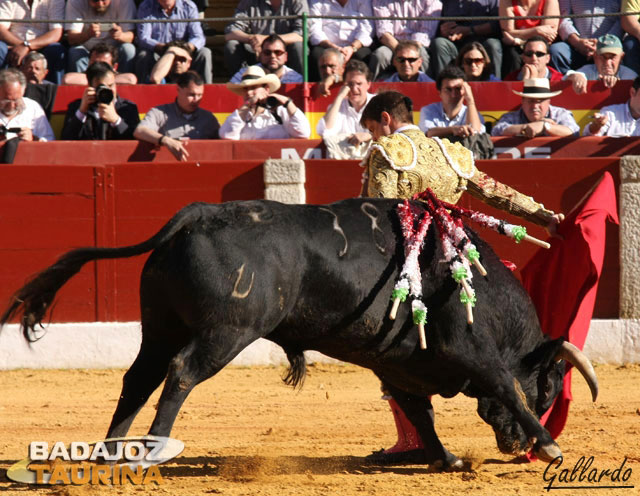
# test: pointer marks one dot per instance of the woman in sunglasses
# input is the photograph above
(474, 60)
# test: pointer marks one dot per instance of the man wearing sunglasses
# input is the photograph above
(535, 58)
(245, 35)
(407, 61)
(272, 59)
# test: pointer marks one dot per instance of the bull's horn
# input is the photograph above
(575, 357)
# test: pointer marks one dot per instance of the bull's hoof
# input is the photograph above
(548, 452)
(410, 457)
(453, 464)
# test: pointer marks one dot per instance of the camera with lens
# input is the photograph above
(104, 94)
(4, 130)
(270, 103)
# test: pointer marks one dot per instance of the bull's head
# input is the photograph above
(539, 377)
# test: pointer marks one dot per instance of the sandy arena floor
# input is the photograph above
(248, 434)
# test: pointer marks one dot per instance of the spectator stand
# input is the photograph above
(492, 98)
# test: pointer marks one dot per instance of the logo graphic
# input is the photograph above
(116, 461)
(585, 475)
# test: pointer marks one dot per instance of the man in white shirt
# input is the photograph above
(19, 38)
(21, 119)
(273, 57)
(83, 37)
(19, 116)
(607, 66)
(619, 120)
(264, 114)
(352, 37)
(342, 120)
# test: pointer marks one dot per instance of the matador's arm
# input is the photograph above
(501, 196)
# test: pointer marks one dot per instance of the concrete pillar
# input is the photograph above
(630, 237)
(284, 180)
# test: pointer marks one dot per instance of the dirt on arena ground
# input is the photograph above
(245, 433)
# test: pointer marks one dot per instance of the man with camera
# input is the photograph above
(21, 119)
(264, 113)
(100, 114)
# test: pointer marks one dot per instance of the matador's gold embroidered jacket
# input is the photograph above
(407, 162)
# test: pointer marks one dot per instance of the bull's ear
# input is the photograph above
(543, 357)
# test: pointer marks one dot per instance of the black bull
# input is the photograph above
(314, 277)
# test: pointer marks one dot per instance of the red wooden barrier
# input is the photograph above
(115, 152)
(47, 210)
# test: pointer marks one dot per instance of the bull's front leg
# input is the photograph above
(419, 411)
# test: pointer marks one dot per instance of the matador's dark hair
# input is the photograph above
(399, 106)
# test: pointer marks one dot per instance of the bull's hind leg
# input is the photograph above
(141, 380)
(419, 411)
(208, 353)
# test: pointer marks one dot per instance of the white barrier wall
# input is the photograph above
(115, 345)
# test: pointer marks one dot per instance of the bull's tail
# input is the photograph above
(34, 299)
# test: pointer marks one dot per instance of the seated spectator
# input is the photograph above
(264, 114)
(390, 32)
(631, 42)
(34, 68)
(456, 113)
(619, 120)
(341, 123)
(273, 57)
(516, 31)
(536, 116)
(17, 39)
(244, 36)
(175, 61)
(109, 29)
(607, 66)
(21, 119)
(535, 58)
(153, 37)
(453, 35)
(407, 61)
(102, 52)
(474, 60)
(353, 37)
(100, 114)
(580, 34)
(331, 70)
(174, 124)
(20, 116)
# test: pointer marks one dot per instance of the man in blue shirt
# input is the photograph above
(153, 37)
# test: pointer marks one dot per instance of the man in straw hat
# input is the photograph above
(264, 113)
(402, 162)
(536, 116)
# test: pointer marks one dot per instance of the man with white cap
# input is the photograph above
(607, 66)
(264, 113)
(536, 116)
